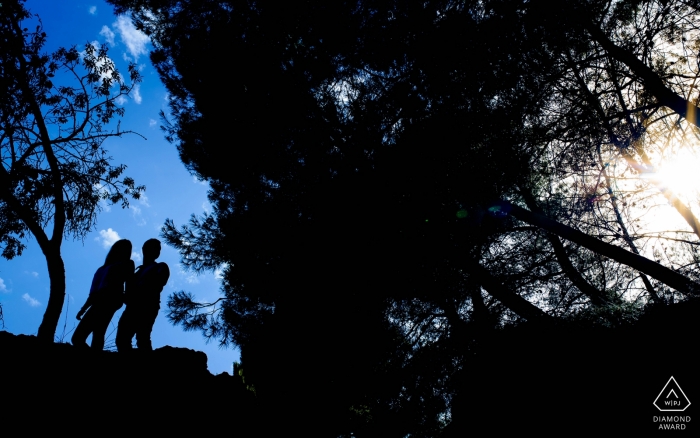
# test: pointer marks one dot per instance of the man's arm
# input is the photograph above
(163, 274)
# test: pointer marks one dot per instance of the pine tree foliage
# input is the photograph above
(410, 177)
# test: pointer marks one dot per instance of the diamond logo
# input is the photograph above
(672, 398)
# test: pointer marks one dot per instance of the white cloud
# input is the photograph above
(136, 94)
(108, 237)
(104, 66)
(189, 277)
(196, 181)
(152, 123)
(136, 256)
(93, 10)
(136, 212)
(134, 39)
(108, 34)
(3, 288)
(104, 205)
(143, 200)
(31, 301)
(206, 207)
(35, 274)
(219, 272)
(120, 100)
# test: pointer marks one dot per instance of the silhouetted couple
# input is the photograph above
(142, 297)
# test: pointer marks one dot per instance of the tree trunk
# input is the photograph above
(596, 296)
(57, 294)
(643, 264)
(513, 301)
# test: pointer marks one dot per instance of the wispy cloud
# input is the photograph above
(120, 100)
(92, 10)
(102, 65)
(143, 200)
(136, 94)
(32, 273)
(134, 40)
(104, 205)
(108, 34)
(31, 301)
(206, 207)
(152, 123)
(3, 287)
(196, 181)
(107, 237)
(136, 213)
(136, 256)
(189, 277)
(219, 272)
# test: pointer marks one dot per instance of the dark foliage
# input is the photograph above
(370, 164)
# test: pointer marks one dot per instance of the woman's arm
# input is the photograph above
(96, 281)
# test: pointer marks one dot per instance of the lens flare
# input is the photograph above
(680, 173)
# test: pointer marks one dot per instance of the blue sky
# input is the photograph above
(171, 192)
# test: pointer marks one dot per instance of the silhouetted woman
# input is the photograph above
(106, 296)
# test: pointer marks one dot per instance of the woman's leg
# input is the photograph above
(103, 317)
(98, 337)
(126, 329)
(84, 329)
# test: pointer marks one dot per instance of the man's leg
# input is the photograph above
(147, 318)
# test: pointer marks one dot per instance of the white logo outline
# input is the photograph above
(669, 393)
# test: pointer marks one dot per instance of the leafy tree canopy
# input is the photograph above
(392, 181)
(55, 111)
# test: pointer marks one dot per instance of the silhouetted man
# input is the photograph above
(142, 299)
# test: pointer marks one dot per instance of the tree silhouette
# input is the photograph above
(55, 110)
(634, 93)
(402, 180)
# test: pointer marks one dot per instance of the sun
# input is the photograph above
(681, 173)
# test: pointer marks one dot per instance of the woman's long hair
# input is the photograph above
(119, 252)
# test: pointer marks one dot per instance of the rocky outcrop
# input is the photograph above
(57, 387)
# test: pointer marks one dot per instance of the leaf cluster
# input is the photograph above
(56, 111)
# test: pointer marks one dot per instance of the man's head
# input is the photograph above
(151, 249)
